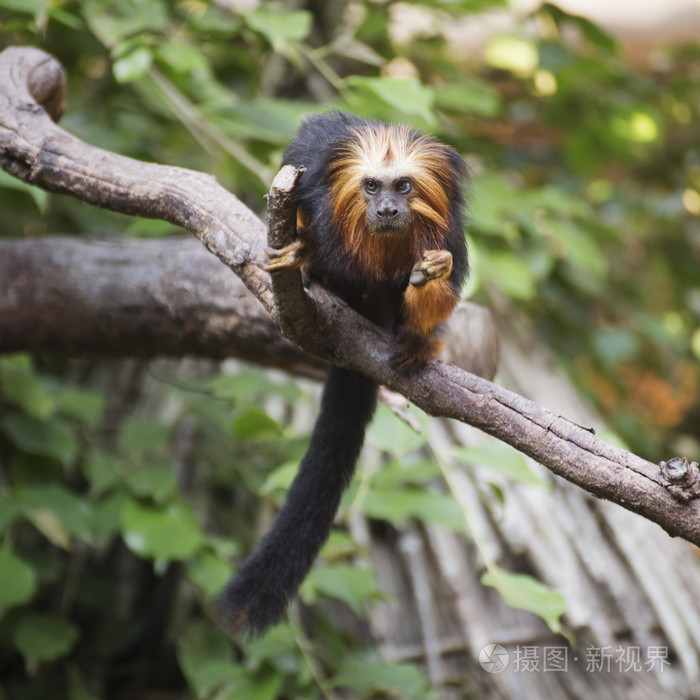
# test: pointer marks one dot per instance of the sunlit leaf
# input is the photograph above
(513, 54)
(133, 65)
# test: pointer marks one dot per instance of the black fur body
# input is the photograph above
(364, 237)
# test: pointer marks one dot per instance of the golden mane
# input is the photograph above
(391, 152)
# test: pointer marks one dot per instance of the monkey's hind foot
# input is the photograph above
(414, 350)
(435, 264)
(288, 258)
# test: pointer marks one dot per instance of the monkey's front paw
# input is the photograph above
(289, 257)
(434, 264)
(414, 350)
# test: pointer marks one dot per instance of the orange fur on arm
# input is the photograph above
(426, 307)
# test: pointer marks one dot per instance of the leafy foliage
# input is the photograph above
(586, 197)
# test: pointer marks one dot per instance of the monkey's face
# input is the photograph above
(385, 181)
(387, 204)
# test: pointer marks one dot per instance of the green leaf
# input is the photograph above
(18, 581)
(247, 387)
(278, 642)
(615, 345)
(184, 59)
(55, 511)
(280, 479)
(168, 533)
(80, 404)
(116, 21)
(578, 247)
(402, 472)
(397, 507)
(280, 27)
(133, 65)
(501, 459)
(519, 56)
(144, 435)
(77, 686)
(102, 471)
(511, 273)
(389, 434)
(469, 95)
(9, 512)
(254, 423)
(398, 680)
(43, 637)
(348, 583)
(407, 96)
(48, 438)
(155, 480)
(206, 658)
(21, 385)
(106, 515)
(527, 593)
(209, 571)
(40, 197)
(30, 7)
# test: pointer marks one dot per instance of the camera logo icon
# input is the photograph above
(494, 658)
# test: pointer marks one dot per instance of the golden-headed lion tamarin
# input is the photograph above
(380, 224)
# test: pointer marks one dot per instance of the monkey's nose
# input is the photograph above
(388, 213)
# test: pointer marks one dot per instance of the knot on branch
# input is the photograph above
(32, 75)
(681, 478)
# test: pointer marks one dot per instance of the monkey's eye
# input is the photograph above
(371, 186)
(403, 186)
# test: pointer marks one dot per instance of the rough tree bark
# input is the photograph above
(35, 149)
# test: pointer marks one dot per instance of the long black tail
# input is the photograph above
(258, 596)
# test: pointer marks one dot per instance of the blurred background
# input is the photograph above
(129, 489)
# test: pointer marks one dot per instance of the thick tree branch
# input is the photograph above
(115, 297)
(137, 298)
(36, 150)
